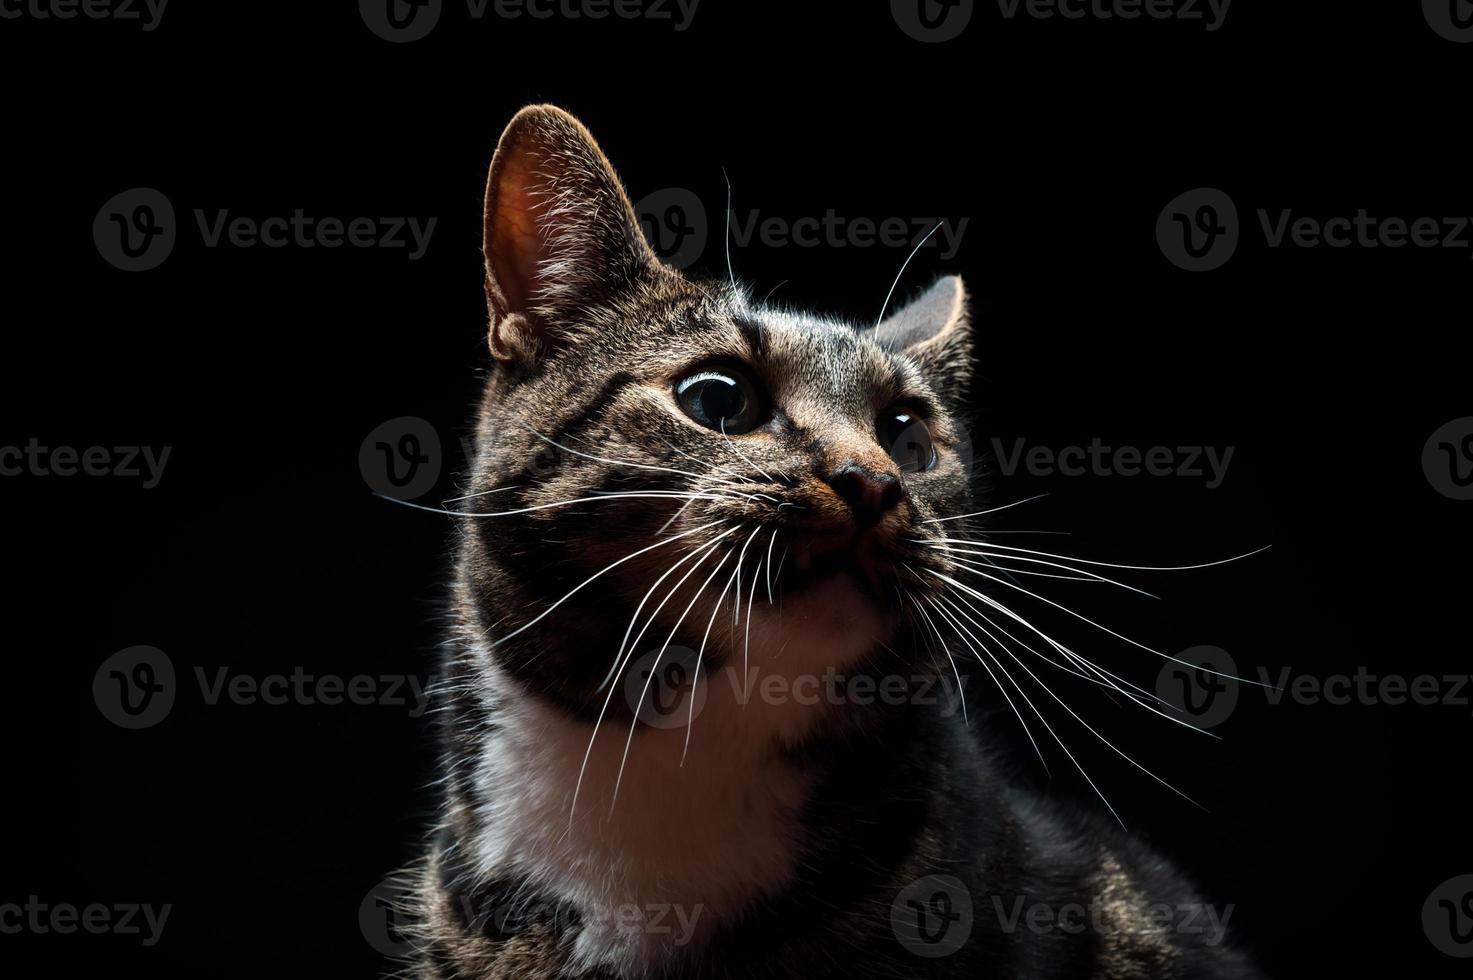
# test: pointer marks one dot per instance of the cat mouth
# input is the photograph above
(817, 557)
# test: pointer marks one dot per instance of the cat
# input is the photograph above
(668, 473)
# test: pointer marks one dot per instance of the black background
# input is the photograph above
(262, 549)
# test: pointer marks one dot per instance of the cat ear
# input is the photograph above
(560, 233)
(935, 331)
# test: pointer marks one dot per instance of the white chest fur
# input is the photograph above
(695, 834)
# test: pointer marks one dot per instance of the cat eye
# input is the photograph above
(907, 438)
(721, 399)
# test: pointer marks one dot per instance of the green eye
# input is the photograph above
(906, 437)
(722, 399)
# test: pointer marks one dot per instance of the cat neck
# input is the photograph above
(691, 815)
(641, 831)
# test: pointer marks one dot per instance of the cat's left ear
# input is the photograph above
(560, 235)
(935, 331)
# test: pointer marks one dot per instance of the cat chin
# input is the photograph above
(833, 620)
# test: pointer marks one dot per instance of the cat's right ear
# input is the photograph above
(934, 331)
(560, 234)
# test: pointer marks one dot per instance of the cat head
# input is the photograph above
(814, 455)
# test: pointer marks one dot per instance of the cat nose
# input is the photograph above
(870, 495)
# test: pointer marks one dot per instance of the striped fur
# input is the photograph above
(781, 840)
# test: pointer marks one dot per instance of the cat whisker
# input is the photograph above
(782, 561)
(480, 493)
(675, 516)
(597, 498)
(625, 644)
(1073, 657)
(991, 531)
(730, 273)
(961, 690)
(707, 493)
(715, 466)
(736, 615)
(613, 462)
(751, 601)
(1077, 765)
(620, 665)
(1102, 564)
(769, 564)
(604, 571)
(1059, 578)
(1001, 687)
(738, 479)
(990, 510)
(743, 456)
(634, 722)
(700, 655)
(967, 609)
(1018, 554)
(736, 485)
(1091, 729)
(886, 305)
(1102, 678)
(1118, 636)
(1087, 575)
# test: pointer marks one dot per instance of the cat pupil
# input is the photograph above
(908, 440)
(721, 400)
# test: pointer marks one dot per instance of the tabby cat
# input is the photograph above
(670, 476)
